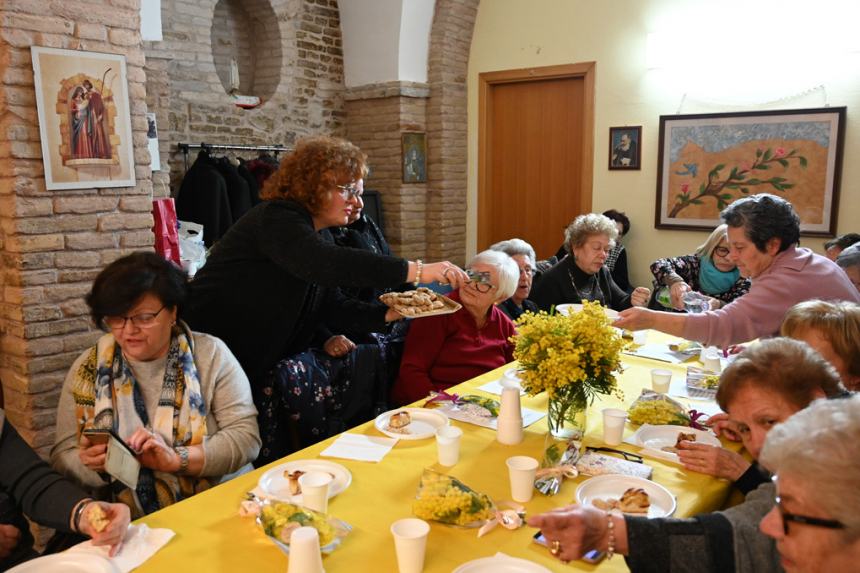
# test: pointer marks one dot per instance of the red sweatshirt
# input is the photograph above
(444, 350)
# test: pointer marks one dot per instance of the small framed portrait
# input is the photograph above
(414, 157)
(625, 147)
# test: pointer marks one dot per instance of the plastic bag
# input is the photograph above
(446, 499)
(165, 229)
(278, 520)
(657, 409)
(192, 251)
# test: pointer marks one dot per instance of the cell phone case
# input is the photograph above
(121, 463)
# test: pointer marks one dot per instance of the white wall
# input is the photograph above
(747, 74)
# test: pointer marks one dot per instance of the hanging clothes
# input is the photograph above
(203, 198)
(237, 188)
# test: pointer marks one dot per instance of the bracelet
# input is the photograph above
(183, 458)
(420, 264)
(610, 543)
(78, 512)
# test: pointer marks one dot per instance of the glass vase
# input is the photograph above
(566, 418)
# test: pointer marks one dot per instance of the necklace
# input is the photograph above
(593, 293)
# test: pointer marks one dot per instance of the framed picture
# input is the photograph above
(707, 161)
(84, 119)
(414, 157)
(625, 147)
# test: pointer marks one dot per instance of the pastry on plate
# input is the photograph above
(397, 422)
(634, 500)
(293, 479)
(682, 437)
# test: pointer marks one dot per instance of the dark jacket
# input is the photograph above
(567, 283)
(270, 282)
(203, 199)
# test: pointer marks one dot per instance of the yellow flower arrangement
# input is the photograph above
(571, 358)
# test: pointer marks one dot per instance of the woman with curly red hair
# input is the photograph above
(272, 280)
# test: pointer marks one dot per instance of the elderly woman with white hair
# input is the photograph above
(583, 274)
(524, 255)
(849, 260)
(447, 349)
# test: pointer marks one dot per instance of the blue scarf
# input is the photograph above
(713, 280)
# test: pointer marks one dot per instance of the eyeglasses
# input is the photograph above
(481, 281)
(629, 456)
(721, 251)
(528, 271)
(814, 521)
(349, 191)
(142, 320)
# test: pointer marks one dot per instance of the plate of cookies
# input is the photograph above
(411, 423)
(419, 302)
(627, 494)
(282, 481)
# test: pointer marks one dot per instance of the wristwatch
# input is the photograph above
(183, 459)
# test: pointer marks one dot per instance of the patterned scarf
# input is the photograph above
(107, 396)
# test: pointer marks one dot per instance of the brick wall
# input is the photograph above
(53, 243)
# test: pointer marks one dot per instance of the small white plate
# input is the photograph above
(655, 438)
(568, 308)
(614, 486)
(276, 486)
(67, 562)
(424, 423)
(500, 564)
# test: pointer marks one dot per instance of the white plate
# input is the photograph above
(501, 564)
(609, 486)
(566, 309)
(276, 486)
(657, 437)
(67, 562)
(424, 423)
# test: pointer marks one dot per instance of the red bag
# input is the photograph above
(166, 230)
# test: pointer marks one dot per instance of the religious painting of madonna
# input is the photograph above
(84, 118)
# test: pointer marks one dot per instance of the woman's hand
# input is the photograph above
(444, 273)
(722, 426)
(153, 452)
(711, 460)
(10, 536)
(715, 303)
(118, 517)
(338, 345)
(575, 530)
(636, 318)
(92, 455)
(391, 315)
(640, 296)
(677, 292)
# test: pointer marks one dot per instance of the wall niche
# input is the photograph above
(245, 38)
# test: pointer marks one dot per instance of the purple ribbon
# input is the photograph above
(444, 397)
(694, 417)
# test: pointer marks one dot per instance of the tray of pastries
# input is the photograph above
(419, 302)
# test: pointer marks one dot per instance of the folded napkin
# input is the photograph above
(495, 387)
(359, 447)
(139, 544)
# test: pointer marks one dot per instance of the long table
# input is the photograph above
(212, 537)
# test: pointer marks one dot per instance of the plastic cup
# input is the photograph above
(315, 490)
(410, 543)
(660, 380)
(305, 551)
(640, 337)
(521, 470)
(448, 444)
(613, 425)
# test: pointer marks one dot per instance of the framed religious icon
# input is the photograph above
(414, 157)
(707, 161)
(84, 118)
(625, 147)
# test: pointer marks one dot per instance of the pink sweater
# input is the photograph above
(796, 275)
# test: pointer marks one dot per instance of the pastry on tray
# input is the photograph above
(419, 302)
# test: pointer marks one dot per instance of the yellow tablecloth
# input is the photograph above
(211, 537)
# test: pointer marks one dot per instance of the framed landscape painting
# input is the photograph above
(84, 118)
(707, 161)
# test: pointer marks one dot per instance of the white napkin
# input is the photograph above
(659, 352)
(139, 544)
(529, 416)
(359, 447)
(495, 387)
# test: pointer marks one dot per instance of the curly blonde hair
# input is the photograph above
(308, 174)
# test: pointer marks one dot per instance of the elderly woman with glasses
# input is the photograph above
(524, 255)
(763, 232)
(816, 522)
(177, 398)
(444, 350)
(764, 387)
(582, 275)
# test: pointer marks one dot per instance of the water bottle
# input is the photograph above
(695, 303)
(664, 297)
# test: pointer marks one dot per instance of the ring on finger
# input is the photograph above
(555, 547)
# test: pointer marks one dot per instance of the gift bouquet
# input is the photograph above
(279, 519)
(446, 499)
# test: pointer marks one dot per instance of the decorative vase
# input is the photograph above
(566, 418)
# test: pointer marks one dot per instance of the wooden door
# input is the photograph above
(535, 153)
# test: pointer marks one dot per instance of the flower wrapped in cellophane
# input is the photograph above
(446, 499)
(657, 409)
(279, 519)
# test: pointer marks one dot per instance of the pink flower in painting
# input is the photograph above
(685, 188)
(780, 151)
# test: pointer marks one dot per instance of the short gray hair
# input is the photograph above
(586, 226)
(822, 440)
(513, 247)
(509, 272)
(849, 257)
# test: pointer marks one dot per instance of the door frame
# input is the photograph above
(486, 81)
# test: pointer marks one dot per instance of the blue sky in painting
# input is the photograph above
(713, 138)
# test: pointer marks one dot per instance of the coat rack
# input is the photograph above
(185, 148)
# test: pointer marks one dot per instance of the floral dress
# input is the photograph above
(686, 267)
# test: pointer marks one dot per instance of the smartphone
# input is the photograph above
(594, 556)
(104, 435)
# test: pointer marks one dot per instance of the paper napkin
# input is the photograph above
(139, 544)
(359, 447)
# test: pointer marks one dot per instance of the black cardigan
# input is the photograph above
(269, 283)
(555, 287)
